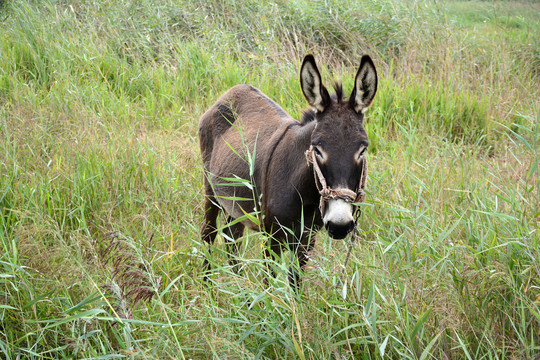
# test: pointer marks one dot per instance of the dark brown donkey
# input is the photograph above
(245, 135)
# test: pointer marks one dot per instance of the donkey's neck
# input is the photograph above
(303, 135)
(305, 180)
(289, 176)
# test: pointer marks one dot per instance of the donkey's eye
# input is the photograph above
(362, 152)
(318, 152)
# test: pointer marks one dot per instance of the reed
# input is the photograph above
(99, 103)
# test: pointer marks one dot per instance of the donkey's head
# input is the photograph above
(339, 141)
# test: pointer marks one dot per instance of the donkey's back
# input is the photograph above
(242, 111)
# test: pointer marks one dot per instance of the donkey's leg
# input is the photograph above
(208, 229)
(301, 251)
(233, 232)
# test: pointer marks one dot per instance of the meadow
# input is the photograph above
(101, 181)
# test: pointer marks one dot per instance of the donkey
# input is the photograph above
(245, 135)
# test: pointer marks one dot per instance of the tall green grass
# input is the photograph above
(101, 179)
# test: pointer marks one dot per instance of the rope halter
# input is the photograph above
(327, 193)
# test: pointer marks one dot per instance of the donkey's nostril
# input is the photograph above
(339, 231)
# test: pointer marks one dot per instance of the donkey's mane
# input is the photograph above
(338, 87)
(309, 115)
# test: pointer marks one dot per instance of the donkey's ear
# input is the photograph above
(312, 87)
(365, 85)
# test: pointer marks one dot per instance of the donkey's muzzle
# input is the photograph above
(338, 218)
(339, 231)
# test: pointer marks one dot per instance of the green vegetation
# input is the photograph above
(101, 181)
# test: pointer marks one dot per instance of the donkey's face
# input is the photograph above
(339, 139)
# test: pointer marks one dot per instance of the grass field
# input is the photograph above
(101, 181)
